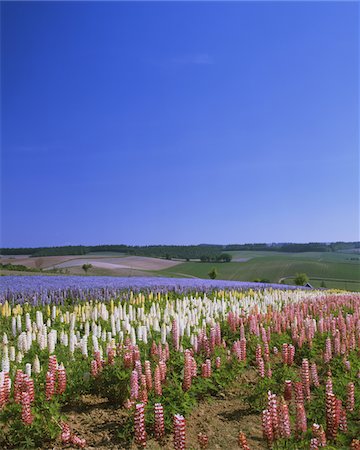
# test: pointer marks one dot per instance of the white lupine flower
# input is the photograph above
(95, 343)
(5, 339)
(53, 312)
(144, 335)
(28, 369)
(5, 364)
(132, 336)
(39, 319)
(12, 353)
(19, 357)
(13, 326)
(72, 342)
(36, 365)
(84, 348)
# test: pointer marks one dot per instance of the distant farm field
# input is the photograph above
(336, 269)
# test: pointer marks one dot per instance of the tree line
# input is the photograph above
(204, 252)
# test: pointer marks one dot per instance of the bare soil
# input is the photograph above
(221, 418)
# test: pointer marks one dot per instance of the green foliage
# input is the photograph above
(301, 279)
(113, 383)
(213, 273)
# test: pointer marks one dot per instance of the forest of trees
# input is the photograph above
(204, 252)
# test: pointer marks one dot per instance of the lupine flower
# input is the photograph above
(157, 381)
(139, 425)
(242, 441)
(350, 397)
(159, 421)
(203, 440)
(314, 375)
(319, 433)
(267, 426)
(331, 425)
(26, 415)
(61, 388)
(288, 390)
(179, 432)
(301, 426)
(50, 385)
(134, 385)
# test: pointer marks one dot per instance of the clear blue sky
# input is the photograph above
(157, 123)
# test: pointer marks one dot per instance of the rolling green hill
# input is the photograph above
(337, 270)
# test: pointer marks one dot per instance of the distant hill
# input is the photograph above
(183, 251)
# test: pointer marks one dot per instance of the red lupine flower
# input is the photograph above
(179, 432)
(350, 397)
(50, 385)
(187, 371)
(139, 425)
(267, 426)
(52, 364)
(159, 421)
(26, 415)
(301, 425)
(242, 441)
(284, 420)
(319, 434)
(203, 440)
(65, 433)
(314, 375)
(163, 369)
(61, 388)
(79, 442)
(18, 385)
(331, 425)
(218, 362)
(314, 444)
(305, 378)
(134, 385)
(288, 390)
(157, 381)
(148, 375)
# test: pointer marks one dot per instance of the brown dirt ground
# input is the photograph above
(96, 420)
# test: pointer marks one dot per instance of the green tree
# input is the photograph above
(86, 267)
(301, 279)
(213, 273)
(323, 285)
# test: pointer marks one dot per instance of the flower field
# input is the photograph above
(156, 349)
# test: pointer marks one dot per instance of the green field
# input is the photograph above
(336, 269)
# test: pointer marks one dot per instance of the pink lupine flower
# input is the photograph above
(157, 381)
(94, 368)
(26, 415)
(78, 441)
(331, 425)
(355, 444)
(203, 440)
(18, 385)
(134, 385)
(329, 386)
(350, 397)
(314, 375)
(305, 378)
(50, 385)
(154, 349)
(187, 371)
(179, 432)
(299, 394)
(261, 368)
(159, 421)
(301, 425)
(284, 420)
(242, 441)
(218, 362)
(288, 390)
(52, 364)
(65, 433)
(61, 388)
(314, 444)
(347, 365)
(291, 355)
(111, 356)
(319, 434)
(267, 426)
(163, 369)
(139, 425)
(273, 409)
(30, 389)
(138, 368)
(148, 375)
